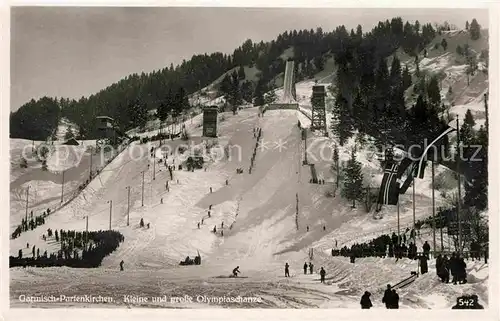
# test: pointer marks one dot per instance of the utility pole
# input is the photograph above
(459, 190)
(110, 212)
(86, 231)
(399, 231)
(433, 210)
(62, 187)
(27, 197)
(142, 188)
(90, 168)
(154, 163)
(414, 229)
(486, 108)
(128, 206)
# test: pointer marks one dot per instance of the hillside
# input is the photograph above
(253, 203)
(259, 228)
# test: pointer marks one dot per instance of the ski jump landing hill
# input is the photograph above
(288, 100)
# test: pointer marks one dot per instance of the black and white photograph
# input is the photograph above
(249, 158)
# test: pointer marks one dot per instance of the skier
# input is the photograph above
(305, 268)
(324, 228)
(161, 200)
(322, 273)
(121, 265)
(365, 302)
(236, 271)
(222, 233)
(307, 227)
(311, 267)
(148, 225)
(210, 207)
(287, 271)
(215, 229)
(210, 189)
(222, 225)
(202, 220)
(198, 225)
(141, 223)
(209, 213)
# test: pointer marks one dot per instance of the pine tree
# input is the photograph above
(475, 30)
(335, 166)
(241, 73)
(353, 180)
(395, 75)
(259, 94)
(467, 25)
(225, 85)
(476, 191)
(469, 119)
(247, 91)
(359, 114)
(434, 93)
(406, 78)
(342, 121)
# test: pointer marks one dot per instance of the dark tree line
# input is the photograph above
(35, 120)
(129, 99)
(370, 95)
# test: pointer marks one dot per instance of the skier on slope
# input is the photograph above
(121, 265)
(236, 271)
(305, 268)
(287, 270)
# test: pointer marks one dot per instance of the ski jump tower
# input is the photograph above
(318, 119)
(288, 100)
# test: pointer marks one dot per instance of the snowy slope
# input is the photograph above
(261, 210)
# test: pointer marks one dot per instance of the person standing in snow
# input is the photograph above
(198, 225)
(395, 300)
(322, 273)
(365, 302)
(427, 248)
(305, 268)
(311, 268)
(387, 299)
(121, 265)
(287, 270)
